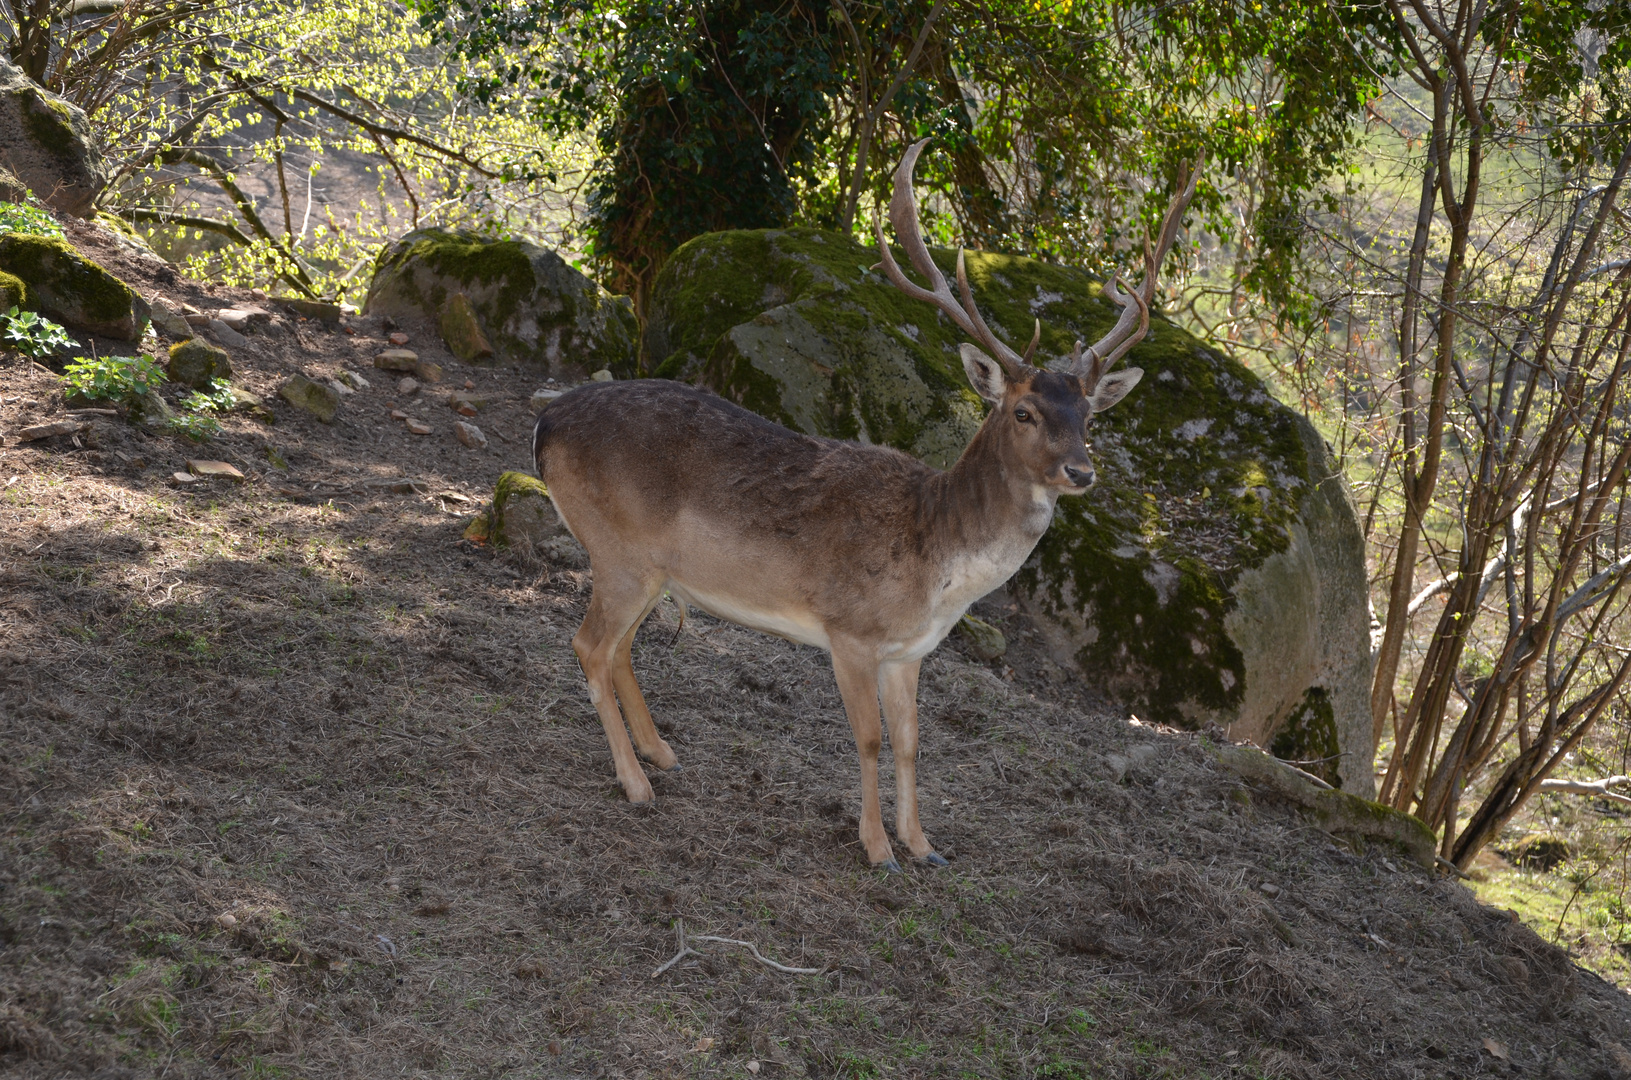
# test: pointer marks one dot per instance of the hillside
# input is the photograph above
(296, 782)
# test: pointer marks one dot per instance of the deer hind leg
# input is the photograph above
(646, 740)
(857, 672)
(615, 607)
(898, 683)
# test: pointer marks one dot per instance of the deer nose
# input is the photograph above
(1082, 477)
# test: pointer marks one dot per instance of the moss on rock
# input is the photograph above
(1205, 479)
(13, 293)
(72, 289)
(1308, 738)
(47, 143)
(533, 306)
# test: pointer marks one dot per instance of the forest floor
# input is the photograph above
(296, 782)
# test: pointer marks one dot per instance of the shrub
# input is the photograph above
(123, 379)
(30, 334)
(23, 218)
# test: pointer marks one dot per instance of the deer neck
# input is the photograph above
(988, 507)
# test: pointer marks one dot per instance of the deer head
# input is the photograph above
(1043, 414)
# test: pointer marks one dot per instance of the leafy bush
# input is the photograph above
(22, 218)
(194, 426)
(26, 332)
(218, 398)
(123, 379)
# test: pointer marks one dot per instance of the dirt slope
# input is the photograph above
(294, 782)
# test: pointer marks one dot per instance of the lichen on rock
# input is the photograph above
(533, 307)
(13, 293)
(197, 363)
(523, 519)
(67, 287)
(1219, 523)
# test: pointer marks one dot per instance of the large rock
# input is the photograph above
(531, 306)
(66, 286)
(46, 142)
(1216, 574)
(197, 363)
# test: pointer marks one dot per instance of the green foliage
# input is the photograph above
(23, 218)
(193, 426)
(121, 379)
(32, 334)
(218, 398)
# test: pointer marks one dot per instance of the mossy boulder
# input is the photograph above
(197, 363)
(13, 293)
(66, 286)
(1216, 574)
(46, 143)
(532, 307)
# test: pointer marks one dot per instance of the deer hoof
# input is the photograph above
(934, 858)
(889, 866)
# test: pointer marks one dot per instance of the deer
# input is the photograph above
(857, 549)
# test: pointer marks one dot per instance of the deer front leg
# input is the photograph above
(651, 745)
(613, 610)
(857, 672)
(899, 685)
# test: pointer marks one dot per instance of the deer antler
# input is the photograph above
(1134, 322)
(903, 216)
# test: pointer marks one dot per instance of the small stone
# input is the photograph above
(352, 379)
(753, 1067)
(418, 427)
(341, 388)
(469, 384)
(170, 322)
(182, 479)
(196, 319)
(465, 403)
(462, 332)
(197, 363)
(219, 470)
(542, 398)
(470, 435)
(1269, 889)
(226, 335)
(398, 338)
(46, 431)
(319, 399)
(398, 414)
(242, 319)
(311, 309)
(408, 386)
(602, 376)
(428, 372)
(984, 640)
(226, 920)
(397, 360)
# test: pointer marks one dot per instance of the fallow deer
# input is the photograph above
(857, 549)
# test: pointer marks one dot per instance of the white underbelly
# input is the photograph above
(802, 627)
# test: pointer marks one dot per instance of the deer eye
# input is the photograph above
(1022, 415)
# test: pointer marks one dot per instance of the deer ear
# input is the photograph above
(1113, 387)
(984, 374)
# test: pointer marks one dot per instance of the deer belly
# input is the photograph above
(794, 625)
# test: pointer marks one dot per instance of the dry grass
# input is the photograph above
(305, 786)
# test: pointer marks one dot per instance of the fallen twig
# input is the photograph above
(686, 950)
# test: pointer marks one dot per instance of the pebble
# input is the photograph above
(398, 414)
(352, 379)
(542, 398)
(470, 435)
(398, 338)
(241, 318)
(1269, 889)
(46, 431)
(407, 386)
(603, 375)
(418, 427)
(341, 388)
(183, 478)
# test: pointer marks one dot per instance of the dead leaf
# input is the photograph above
(704, 1045)
(1497, 1050)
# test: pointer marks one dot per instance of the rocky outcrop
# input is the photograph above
(46, 142)
(1216, 574)
(528, 305)
(66, 286)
